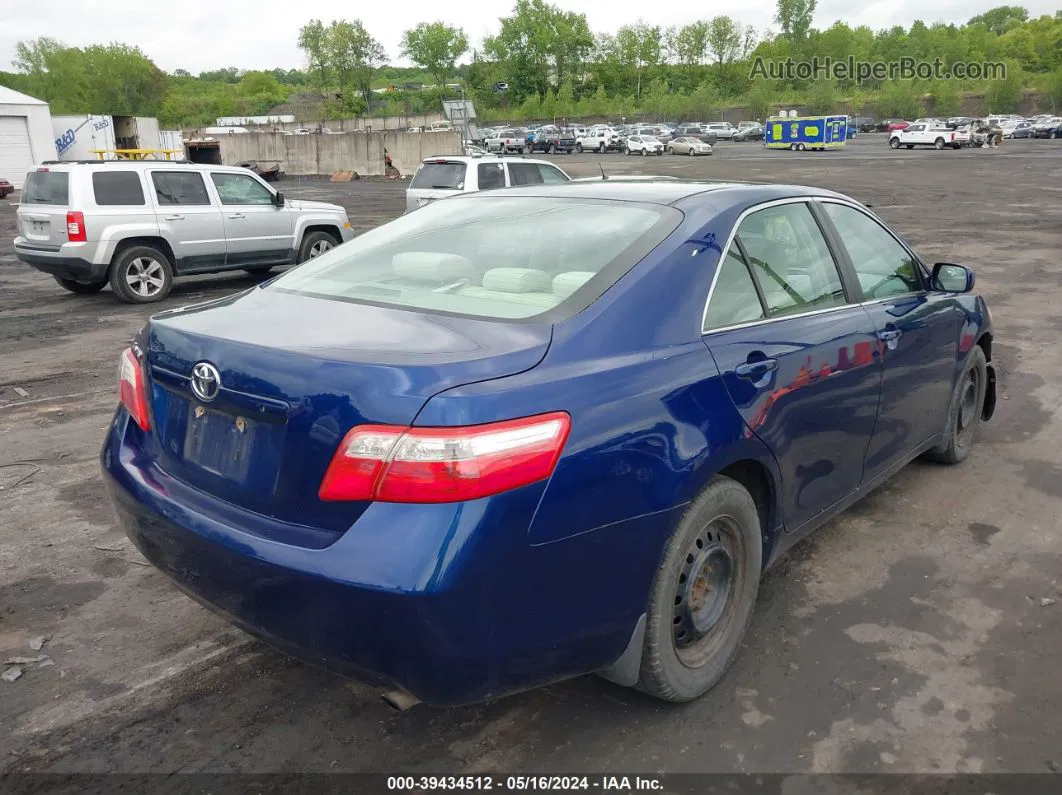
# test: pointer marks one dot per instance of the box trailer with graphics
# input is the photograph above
(805, 132)
(83, 137)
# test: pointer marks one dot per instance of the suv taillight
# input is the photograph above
(392, 463)
(75, 227)
(132, 391)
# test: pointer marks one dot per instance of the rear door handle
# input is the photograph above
(756, 369)
(890, 335)
(173, 217)
(237, 215)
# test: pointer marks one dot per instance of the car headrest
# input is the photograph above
(567, 283)
(516, 280)
(430, 266)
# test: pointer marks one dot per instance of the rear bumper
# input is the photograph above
(447, 602)
(60, 262)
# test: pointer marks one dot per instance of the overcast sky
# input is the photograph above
(261, 34)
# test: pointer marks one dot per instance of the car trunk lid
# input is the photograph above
(296, 373)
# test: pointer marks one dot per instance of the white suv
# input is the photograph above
(644, 145)
(137, 225)
(444, 176)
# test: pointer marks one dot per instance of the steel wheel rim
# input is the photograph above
(704, 602)
(145, 276)
(319, 248)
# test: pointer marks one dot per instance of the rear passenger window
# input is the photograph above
(112, 188)
(790, 260)
(491, 175)
(180, 188)
(734, 298)
(524, 174)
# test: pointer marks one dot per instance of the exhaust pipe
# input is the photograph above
(399, 699)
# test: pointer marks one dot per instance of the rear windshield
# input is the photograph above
(503, 258)
(441, 176)
(46, 187)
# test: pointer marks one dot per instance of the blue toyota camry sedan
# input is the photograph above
(515, 437)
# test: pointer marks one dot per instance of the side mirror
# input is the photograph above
(950, 278)
(278, 199)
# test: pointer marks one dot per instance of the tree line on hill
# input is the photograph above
(545, 62)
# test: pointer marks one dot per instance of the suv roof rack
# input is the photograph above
(98, 162)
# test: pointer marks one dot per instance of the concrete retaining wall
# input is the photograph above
(326, 153)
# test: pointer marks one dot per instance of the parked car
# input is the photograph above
(662, 134)
(890, 125)
(6, 188)
(938, 136)
(600, 139)
(751, 133)
(1014, 128)
(688, 145)
(1048, 128)
(453, 418)
(698, 131)
(509, 139)
(959, 121)
(446, 176)
(140, 224)
(723, 130)
(863, 124)
(551, 139)
(644, 145)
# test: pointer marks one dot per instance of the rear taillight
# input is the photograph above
(390, 463)
(132, 391)
(75, 227)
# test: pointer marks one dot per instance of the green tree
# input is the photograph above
(899, 98)
(947, 98)
(54, 73)
(540, 46)
(638, 49)
(435, 46)
(1003, 96)
(794, 17)
(1001, 19)
(342, 58)
(822, 97)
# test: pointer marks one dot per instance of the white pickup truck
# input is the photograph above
(925, 135)
(599, 139)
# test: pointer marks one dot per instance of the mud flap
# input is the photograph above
(626, 670)
(989, 407)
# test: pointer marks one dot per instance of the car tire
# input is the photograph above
(939, 143)
(552, 149)
(579, 149)
(964, 411)
(894, 143)
(644, 152)
(629, 153)
(670, 150)
(314, 244)
(792, 147)
(691, 153)
(601, 149)
(80, 288)
(141, 275)
(719, 536)
(659, 152)
(801, 147)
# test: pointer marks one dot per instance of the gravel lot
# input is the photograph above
(916, 633)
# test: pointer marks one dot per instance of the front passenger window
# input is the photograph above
(883, 266)
(240, 189)
(790, 260)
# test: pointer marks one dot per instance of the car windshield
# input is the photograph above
(46, 187)
(506, 258)
(650, 139)
(444, 175)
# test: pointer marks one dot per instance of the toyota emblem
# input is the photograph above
(206, 381)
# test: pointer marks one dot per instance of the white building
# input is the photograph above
(25, 135)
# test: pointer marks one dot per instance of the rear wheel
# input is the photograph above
(792, 147)
(703, 594)
(644, 153)
(801, 147)
(601, 148)
(552, 149)
(964, 411)
(81, 288)
(141, 275)
(314, 244)
(579, 148)
(939, 143)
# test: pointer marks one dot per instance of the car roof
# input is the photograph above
(662, 191)
(59, 165)
(469, 159)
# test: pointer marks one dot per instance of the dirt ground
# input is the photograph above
(919, 632)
